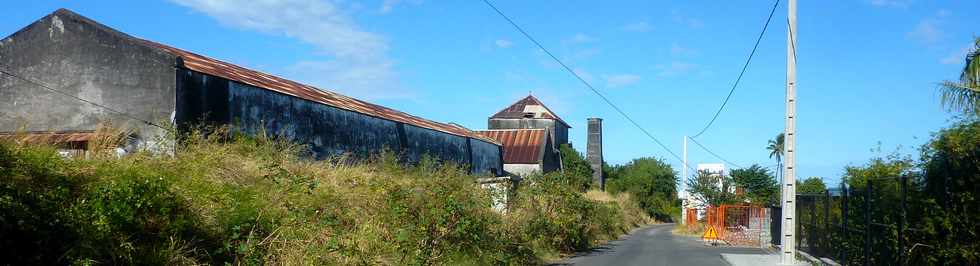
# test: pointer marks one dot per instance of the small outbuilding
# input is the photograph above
(527, 151)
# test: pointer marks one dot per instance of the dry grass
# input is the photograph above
(696, 229)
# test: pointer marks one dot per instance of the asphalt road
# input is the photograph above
(656, 245)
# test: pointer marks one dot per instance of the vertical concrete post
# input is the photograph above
(594, 151)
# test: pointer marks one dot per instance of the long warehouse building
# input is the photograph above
(65, 73)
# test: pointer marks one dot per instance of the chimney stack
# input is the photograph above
(594, 151)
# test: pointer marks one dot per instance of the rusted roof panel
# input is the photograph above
(521, 146)
(516, 110)
(48, 137)
(237, 73)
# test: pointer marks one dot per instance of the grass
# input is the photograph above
(221, 198)
(696, 230)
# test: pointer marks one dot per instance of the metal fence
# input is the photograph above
(866, 226)
(737, 225)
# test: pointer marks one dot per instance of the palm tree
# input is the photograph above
(776, 151)
(964, 95)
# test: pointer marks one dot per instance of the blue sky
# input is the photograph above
(867, 68)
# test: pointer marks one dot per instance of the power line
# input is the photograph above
(586, 83)
(740, 74)
(39, 84)
(715, 154)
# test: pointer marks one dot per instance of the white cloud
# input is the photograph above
(679, 18)
(958, 56)
(675, 68)
(502, 43)
(892, 3)
(621, 80)
(580, 38)
(679, 50)
(640, 26)
(388, 5)
(357, 60)
(927, 30)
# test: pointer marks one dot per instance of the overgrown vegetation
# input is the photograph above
(223, 198)
(753, 185)
(652, 182)
(577, 170)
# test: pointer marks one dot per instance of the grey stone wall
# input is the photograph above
(87, 60)
(594, 151)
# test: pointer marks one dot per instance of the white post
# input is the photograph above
(683, 192)
(789, 172)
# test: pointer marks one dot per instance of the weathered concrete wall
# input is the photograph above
(325, 129)
(422, 141)
(87, 60)
(522, 169)
(558, 130)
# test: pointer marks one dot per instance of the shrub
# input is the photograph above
(224, 198)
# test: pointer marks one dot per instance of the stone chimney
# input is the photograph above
(594, 151)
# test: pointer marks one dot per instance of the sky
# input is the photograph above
(867, 69)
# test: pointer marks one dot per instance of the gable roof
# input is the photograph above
(215, 67)
(520, 146)
(516, 110)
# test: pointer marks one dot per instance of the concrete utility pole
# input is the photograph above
(789, 172)
(683, 192)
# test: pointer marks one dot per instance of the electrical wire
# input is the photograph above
(46, 87)
(742, 73)
(586, 83)
(715, 154)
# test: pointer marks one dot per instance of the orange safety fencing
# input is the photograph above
(735, 224)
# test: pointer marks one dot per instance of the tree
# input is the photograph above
(811, 185)
(577, 171)
(964, 95)
(776, 150)
(711, 188)
(757, 184)
(652, 182)
(951, 182)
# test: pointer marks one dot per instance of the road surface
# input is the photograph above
(656, 245)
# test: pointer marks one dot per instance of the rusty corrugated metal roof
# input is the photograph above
(521, 146)
(237, 73)
(48, 137)
(516, 110)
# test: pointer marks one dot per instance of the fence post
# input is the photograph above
(867, 223)
(811, 235)
(845, 236)
(901, 222)
(828, 233)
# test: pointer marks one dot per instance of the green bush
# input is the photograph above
(551, 215)
(229, 199)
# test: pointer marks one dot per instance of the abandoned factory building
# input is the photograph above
(65, 74)
(530, 134)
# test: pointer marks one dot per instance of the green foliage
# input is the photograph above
(577, 170)
(552, 215)
(811, 185)
(712, 189)
(652, 182)
(963, 96)
(757, 184)
(951, 162)
(229, 199)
